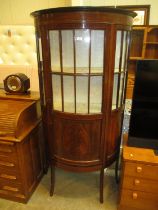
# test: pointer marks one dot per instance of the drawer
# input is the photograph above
(145, 185)
(141, 170)
(11, 188)
(10, 175)
(9, 164)
(138, 199)
(7, 147)
(9, 158)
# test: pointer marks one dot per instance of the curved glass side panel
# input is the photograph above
(121, 89)
(114, 95)
(118, 51)
(124, 50)
(121, 55)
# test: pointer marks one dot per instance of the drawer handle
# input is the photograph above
(136, 181)
(6, 164)
(13, 189)
(5, 150)
(2, 133)
(135, 196)
(7, 143)
(139, 169)
(6, 176)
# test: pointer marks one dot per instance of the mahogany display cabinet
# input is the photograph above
(82, 60)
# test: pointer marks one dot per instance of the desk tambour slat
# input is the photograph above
(16, 117)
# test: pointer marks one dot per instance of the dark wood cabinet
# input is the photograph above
(144, 45)
(22, 149)
(82, 60)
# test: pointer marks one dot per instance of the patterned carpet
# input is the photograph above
(73, 191)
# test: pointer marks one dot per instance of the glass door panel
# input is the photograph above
(124, 50)
(121, 89)
(118, 51)
(95, 94)
(97, 51)
(114, 95)
(55, 50)
(57, 97)
(82, 43)
(82, 94)
(67, 51)
(69, 99)
(121, 54)
(76, 55)
(39, 44)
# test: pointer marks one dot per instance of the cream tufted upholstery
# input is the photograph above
(18, 52)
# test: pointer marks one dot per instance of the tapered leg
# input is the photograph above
(52, 180)
(116, 171)
(117, 168)
(101, 185)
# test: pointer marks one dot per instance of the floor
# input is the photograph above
(73, 191)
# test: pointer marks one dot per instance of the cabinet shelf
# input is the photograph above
(69, 71)
(76, 74)
(135, 58)
(151, 43)
(78, 70)
(144, 45)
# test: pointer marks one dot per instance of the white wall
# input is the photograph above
(17, 12)
(153, 3)
(13, 12)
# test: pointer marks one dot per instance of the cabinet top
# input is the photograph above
(137, 154)
(84, 9)
(33, 96)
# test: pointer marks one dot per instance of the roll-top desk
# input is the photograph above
(82, 60)
(21, 146)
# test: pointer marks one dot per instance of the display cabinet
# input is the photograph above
(144, 45)
(82, 60)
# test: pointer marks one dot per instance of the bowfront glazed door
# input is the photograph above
(77, 74)
(77, 66)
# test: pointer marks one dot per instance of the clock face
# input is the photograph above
(14, 83)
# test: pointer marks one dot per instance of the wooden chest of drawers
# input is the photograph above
(139, 179)
(21, 148)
